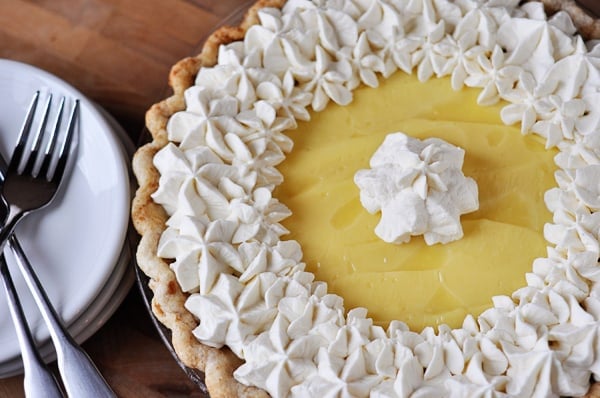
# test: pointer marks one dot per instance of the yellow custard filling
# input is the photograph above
(418, 284)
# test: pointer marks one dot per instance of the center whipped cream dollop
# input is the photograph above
(250, 290)
(419, 188)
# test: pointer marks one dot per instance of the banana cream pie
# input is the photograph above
(383, 198)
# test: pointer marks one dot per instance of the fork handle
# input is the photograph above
(39, 381)
(13, 215)
(80, 376)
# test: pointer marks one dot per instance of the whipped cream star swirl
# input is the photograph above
(419, 188)
(249, 289)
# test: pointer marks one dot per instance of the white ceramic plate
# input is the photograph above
(112, 294)
(75, 243)
(96, 315)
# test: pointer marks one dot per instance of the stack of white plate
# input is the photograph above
(79, 244)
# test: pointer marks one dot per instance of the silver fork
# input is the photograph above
(25, 191)
(39, 381)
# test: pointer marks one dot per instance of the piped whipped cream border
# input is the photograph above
(249, 288)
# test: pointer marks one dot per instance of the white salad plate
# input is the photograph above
(92, 319)
(78, 243)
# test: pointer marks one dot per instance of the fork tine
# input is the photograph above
(66, 145)
(17, 156)
(52, 141)
(37, 140)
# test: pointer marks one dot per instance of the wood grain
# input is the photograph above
(118, 52)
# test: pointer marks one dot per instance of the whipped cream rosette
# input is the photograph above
(249, 289)
(419, 188)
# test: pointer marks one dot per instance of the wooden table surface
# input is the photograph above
(118, 53)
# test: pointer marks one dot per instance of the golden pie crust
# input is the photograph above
(149, 218)
(587, 25)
